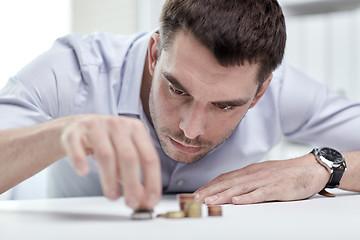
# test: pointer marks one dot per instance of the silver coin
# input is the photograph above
(142, 214)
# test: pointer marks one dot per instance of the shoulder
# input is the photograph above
(291, 100)
(101, 49)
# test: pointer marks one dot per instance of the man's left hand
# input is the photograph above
(283, 180)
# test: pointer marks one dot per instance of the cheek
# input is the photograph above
(167, 109)
(222, 126)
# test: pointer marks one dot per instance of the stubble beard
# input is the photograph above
(163, 134)
(207, 146)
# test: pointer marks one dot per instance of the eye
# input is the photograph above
(177, 91)
(224, 107)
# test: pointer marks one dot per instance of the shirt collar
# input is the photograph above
(129, 100)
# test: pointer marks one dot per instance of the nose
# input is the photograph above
(193, 121)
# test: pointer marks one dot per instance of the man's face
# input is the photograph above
(195, 103)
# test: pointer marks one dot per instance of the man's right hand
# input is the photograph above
(122, 150)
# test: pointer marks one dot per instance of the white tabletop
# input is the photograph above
(98, 218)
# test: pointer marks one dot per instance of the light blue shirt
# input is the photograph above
(101, 73)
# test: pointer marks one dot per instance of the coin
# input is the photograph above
(214, 210)
(142, 214)
(183, 198)
(193, 209)
(176, 214)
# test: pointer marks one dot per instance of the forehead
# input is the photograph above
(196, 67)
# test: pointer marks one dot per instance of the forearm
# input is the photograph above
(283, 180)
(351, 178)
(26, 151)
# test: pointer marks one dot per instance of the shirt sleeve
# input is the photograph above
(312, 113)
(43, 90)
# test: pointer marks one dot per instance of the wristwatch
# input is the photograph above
(333, 161)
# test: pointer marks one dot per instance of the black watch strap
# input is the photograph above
(333, 161)
(335, 178)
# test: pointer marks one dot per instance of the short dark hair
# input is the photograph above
(235, 31)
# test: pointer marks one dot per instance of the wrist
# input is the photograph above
(321, 174)
(50, 132)
(333, 161)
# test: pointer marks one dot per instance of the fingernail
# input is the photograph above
(211, 199)
(132, 202)
(236, 199)
(197, 196)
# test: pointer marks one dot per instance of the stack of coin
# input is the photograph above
(183, 198)
(192, 209)
(214, 210)
(188, 207)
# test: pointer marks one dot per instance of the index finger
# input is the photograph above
(75, 150)
(150, 166)
(216, 185)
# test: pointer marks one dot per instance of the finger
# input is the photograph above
(219, 184)
(245, 187)
(227, 180)
(76, 151)
(129, 166)
(257, 196)
(150, 166)
(104, 156)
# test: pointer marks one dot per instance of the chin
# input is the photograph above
(179, 156)
(186, 161)
(183, 157)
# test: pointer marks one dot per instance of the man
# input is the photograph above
(170, 111)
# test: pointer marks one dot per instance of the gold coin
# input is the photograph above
(178, 214)
(193, 209)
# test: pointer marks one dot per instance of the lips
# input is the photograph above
(184, 148)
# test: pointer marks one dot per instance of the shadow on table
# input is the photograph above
(68, 216)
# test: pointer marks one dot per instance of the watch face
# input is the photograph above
(332, 155)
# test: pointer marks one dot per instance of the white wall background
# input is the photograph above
(116, 16)
(29, 28)
(325, 46)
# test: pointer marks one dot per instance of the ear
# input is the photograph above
(263, 88)
(153, 51)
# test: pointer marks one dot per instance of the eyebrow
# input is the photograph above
(234, 103)
(174, 81)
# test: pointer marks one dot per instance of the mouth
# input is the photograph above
(184, 148)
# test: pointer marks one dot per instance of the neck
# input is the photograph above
(145, 89)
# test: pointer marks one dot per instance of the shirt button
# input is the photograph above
(179, 182)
